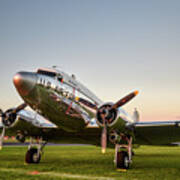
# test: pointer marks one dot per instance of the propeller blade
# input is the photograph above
(124, 100)
(104, 140)
(1, 112)
(2, 137)
(19, 108)
(104, 135)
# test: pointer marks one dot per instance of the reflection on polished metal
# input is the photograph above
(24, 82)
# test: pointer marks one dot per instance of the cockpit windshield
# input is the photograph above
(47, 73)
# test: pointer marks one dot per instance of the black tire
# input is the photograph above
(32, 156)
(122, 160)
(133, 153)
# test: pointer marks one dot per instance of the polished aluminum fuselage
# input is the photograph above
(56, 99)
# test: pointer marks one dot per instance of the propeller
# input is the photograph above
(107, 113)
(7, 118)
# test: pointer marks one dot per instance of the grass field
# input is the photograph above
(87, 162)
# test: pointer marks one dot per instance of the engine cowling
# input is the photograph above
(9, 118)
(110, 115)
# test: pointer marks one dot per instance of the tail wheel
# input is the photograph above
(122, 160)
(32, 156)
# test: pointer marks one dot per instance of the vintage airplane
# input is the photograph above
(64, 109)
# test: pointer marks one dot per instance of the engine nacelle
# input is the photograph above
(114, 137)
(114, 118)
(110, 115)
(9, 118)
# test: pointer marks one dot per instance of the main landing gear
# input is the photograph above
(35, 149)
(123, 153)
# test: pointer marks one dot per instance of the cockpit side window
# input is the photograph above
(60, 78)
(47, 73)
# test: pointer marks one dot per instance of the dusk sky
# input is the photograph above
(113, 47)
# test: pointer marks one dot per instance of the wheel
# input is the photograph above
(122, 160)
(32, 156)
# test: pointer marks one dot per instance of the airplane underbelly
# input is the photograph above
(62, 112)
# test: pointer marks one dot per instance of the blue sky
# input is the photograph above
(113, 47)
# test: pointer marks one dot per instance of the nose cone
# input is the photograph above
(24, 82)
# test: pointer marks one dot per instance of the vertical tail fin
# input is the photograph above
(136, 116)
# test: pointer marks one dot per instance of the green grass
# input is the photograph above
(87, 162)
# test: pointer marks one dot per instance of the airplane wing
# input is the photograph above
(157, 132)
(145, 133)
(35, 119)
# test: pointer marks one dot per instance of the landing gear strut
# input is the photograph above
(35, 149)
(123, 153)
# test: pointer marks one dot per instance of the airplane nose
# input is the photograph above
(24, 82)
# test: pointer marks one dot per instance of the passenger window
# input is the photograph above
(48, 84)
